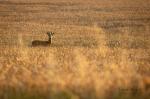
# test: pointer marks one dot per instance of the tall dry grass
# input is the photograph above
(72, 72)
(100, 49)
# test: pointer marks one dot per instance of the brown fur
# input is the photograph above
(43, 43)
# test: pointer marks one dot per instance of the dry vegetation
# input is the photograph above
(100, 50)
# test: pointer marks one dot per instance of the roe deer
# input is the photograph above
(43, 43)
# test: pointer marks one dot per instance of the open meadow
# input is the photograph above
(100, 49)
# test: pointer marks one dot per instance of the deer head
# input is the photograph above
(50, 34)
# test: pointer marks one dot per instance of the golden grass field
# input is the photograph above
(100, 49)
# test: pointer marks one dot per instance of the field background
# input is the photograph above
(100, 49)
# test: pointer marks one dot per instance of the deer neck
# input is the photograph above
(49, 40)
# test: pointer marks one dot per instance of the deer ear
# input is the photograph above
(48, 33)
